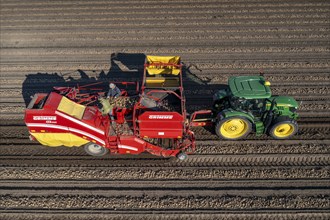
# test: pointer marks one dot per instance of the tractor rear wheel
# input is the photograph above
(95, 149)
(233, 128)
(283, 129)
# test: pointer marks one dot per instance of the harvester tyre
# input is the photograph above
(233, 128)
(283, 128)
(95, 150)
(182, 156)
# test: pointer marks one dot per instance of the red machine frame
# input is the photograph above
(47, 120)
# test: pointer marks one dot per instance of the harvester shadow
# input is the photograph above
(124, 67)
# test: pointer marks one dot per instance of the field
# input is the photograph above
(50, 43)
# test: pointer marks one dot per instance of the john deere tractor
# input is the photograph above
(247, 105)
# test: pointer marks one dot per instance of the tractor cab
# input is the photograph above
(243, 94)
(246, 93)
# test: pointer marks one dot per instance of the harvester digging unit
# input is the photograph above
(154, 118)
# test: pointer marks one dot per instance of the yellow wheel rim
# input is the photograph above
(283, 130)
(234, 128)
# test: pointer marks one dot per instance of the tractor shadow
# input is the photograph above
(124, 67)
(198, 91)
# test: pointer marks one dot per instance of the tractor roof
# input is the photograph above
(249, 87)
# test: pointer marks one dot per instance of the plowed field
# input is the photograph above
(48, 43)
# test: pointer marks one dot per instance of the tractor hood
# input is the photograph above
(249, 87)
(285, 101)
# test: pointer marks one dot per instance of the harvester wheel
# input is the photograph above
(233, 128)
(95, 149)
(182, 156)
(283, 129)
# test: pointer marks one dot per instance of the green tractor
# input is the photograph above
(247, 105)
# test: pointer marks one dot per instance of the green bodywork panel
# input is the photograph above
(260, 127)
(285, 101)
(249, 87)
(285, 106)
(231, 113)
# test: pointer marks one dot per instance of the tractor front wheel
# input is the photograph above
(283, 129)
(233, 128)
(95, 149)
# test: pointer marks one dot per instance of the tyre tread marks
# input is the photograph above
(192, 161)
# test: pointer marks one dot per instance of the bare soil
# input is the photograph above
(56, 43)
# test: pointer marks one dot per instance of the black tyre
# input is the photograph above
(283, 128)
(95, 149)
(233, 128)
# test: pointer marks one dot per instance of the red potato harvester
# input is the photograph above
(152, 120)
